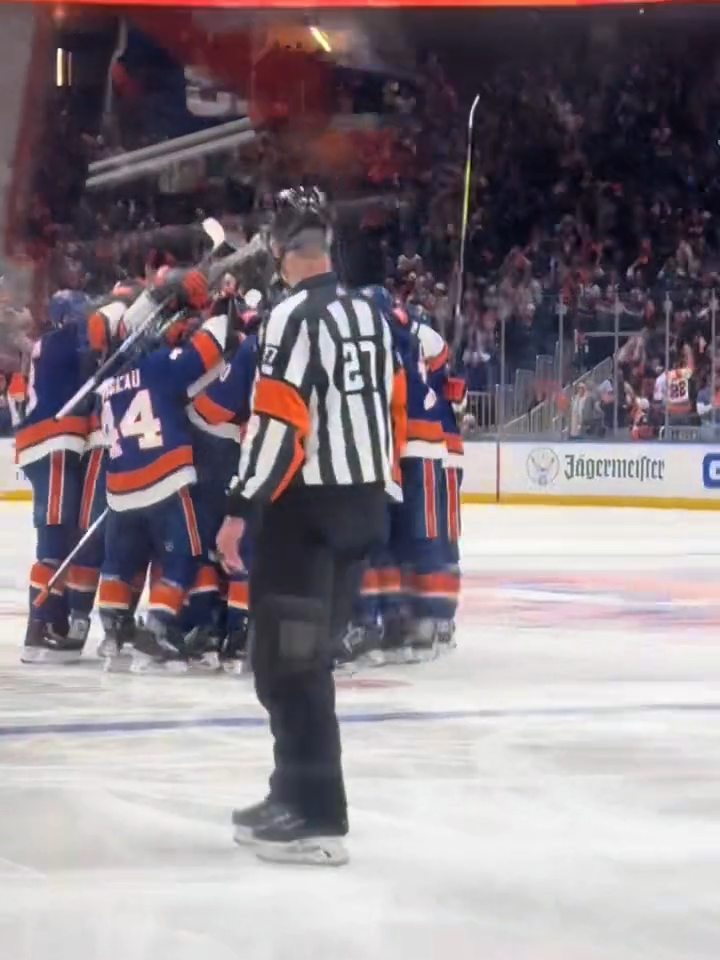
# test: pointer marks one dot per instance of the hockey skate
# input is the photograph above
(396, 646)
(234, 653)
(202, 645)
(159, 648)
(423, 641)
(46, 643)
(359, 646)
(118, 639)
(446, 637)
(288, 838)
(249, 819)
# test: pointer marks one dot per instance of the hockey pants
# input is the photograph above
(56, 483)
(165, 532)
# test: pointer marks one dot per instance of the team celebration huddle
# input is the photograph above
(158, 425)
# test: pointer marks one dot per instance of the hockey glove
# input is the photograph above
(181, 289)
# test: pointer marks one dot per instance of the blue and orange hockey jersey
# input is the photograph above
(450, 393)
(58, 368)
(150, 453)
(219, 413)
(425, 435)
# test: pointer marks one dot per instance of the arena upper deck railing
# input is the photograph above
(639, 364)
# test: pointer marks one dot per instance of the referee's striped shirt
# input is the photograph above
(321, 408)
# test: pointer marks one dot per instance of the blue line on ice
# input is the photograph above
(91, 727)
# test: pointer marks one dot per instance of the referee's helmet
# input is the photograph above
(301, 219)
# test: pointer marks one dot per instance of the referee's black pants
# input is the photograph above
(311, 543)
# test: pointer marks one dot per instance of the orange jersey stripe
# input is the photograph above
(48, 429)
(238, 594)
(83, 579)
(398, 411)
(390, 580)
(211, 411)
(167, 463)
(425, 430)
(56, 488)
(40, 575)
(17, 388)
(166, 596)
(114, 594)
(370, 582)
(208, 349)
(206, 580)
(453, 505)
(435, 363)
(431, 524)
(89, 485)
(191, 522)
(436, 584)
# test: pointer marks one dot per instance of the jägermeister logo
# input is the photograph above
(584, 467)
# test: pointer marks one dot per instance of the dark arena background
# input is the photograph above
(541, 186)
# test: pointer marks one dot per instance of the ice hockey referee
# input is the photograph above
(316, 461)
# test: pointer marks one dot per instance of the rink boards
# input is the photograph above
(665, 475)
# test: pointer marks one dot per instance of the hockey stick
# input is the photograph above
(465, 211)
(216, 232)
(94, 382)
(86, 537)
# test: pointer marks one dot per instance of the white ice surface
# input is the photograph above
(550, 792)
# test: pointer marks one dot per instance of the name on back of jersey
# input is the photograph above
(124, 381)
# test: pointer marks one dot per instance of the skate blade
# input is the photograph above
(424, 654)
(54, 657)
(108, 649)
(446, 647)
(116, 664)
(396, 657)
(312, 852)
(142, 663)
(207, 663)
(345, 670)
(243, 837)
(236, 668)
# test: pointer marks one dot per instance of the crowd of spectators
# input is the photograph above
(594, 203)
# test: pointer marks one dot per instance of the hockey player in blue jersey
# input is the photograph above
(218, 415)
(452, 401)
(398, 595)
(150, 477)
(84, 573)
(49, 452)
(417, 541)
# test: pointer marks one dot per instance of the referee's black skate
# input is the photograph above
(48, 643)
(159, 647)
(249, 819)
(289, 838)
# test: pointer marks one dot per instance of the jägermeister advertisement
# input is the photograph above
(545, 465)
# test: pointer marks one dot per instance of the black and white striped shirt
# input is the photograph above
(322, 395)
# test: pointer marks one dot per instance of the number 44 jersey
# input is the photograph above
(144, 421)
